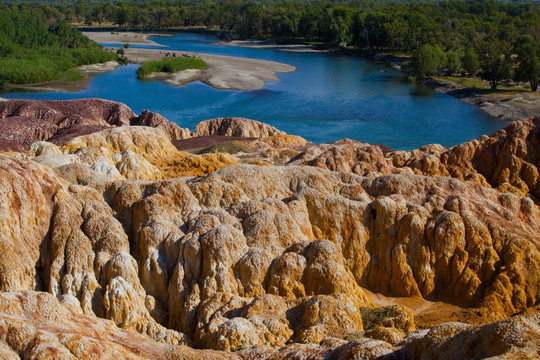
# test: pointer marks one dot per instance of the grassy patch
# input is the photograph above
(170, 65)
(355, 335)
(371, 318)
(230, 147)
(483, 85)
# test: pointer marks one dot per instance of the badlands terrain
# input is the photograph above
(127, 236)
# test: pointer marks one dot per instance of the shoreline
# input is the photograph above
(502, 105)
(269, 44)
(67, 85)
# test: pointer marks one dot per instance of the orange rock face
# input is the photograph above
(268, 261)
(235, 126)
(509, 160)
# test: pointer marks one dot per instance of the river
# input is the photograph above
(328, 97)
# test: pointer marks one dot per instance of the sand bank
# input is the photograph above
(262, 44)
(115, 37)
(224, 72)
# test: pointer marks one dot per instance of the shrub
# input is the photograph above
(170, 65)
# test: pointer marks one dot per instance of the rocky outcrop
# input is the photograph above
(254, 256)
(127, 152)
(27, 121)
(155, 120)
(235, 126)
(509, 160)
(349, 156)
(267, 261)
(37, 325)
(515, 338)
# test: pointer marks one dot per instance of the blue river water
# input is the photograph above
(328, 97)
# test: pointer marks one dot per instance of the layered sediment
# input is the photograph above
(116, 242)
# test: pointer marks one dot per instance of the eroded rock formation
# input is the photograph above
(235, 126)
(26, 121)
(509, 160)
(273, 262)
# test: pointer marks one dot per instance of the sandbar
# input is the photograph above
(266, 44)
(224, 72)
(115, 37)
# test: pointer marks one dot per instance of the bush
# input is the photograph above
(170, 65)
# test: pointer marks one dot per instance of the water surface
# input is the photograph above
(328, 97)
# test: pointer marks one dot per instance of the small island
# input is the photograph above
(170, 65)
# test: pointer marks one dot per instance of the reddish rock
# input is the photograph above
(24, 122)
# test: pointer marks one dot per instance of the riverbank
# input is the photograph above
(223, 73)
(83, 75)
(264, 44)
(507, 105)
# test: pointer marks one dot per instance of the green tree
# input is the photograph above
(453, 61)
(529, 62)
(470, 61)
(427, 60)
(495, 63)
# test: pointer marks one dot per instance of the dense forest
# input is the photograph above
(31, 51)
(497, 40)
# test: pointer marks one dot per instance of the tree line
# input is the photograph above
(32, 51)
(495, 39)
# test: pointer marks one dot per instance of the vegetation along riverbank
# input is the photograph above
(470, 44)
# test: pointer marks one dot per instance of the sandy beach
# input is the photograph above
(115, 37)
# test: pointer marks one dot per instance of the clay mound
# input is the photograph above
(28, 121)
(235, 126)
(35, 325)
(140, 153)
(349, 156)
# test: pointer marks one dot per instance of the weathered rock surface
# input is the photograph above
(35, 325)
(235, 126)
(27, 121)
(274, 262)
(205, 261)
(515, 338)
(150, 119)
(127, 152)
(509, 160)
